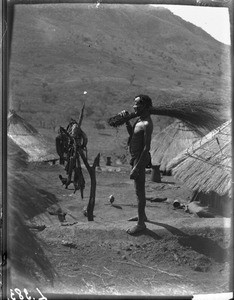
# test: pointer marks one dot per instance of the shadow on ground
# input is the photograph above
(202, 245)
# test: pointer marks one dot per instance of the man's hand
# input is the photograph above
(134, 173)
(124, 113)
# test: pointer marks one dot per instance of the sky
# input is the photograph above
(214, 20)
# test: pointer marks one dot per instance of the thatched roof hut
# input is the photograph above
(170, 142)
(28, 139)
(206, 166)
(16, 157)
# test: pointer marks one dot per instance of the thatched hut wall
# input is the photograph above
(170, 142)
(28, 139)
(206, 166)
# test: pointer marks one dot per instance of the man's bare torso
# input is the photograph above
(137, 142)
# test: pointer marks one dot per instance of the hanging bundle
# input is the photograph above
(61, 142)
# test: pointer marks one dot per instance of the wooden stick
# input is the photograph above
(92, 173)
(81, 116)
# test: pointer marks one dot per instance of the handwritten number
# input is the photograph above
(26, 294)
(12, 295)
(21, 297)
(43, 297)
(18, 291)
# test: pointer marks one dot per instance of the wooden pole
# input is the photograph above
(92, 173)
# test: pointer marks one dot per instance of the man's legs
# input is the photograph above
(140, 193)
(141, 201)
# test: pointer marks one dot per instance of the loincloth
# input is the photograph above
(134, 160)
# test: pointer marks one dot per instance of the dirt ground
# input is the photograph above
(178, 254)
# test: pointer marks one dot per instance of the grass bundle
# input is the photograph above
(197, 115)
(119, 120)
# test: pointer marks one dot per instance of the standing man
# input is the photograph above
(139, 146)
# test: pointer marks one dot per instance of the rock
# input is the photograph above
(68, 223)
(69, 244)
(118, 162)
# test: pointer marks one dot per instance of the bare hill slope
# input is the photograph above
(113, 52)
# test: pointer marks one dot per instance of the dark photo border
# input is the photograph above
(7, 29)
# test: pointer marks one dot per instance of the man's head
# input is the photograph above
(142, 103)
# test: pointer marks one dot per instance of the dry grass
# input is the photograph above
(199, 116)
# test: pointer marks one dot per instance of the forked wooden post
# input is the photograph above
(92, 173)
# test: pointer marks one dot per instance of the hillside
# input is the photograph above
(112, 52)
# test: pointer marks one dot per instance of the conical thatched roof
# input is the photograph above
(18, 126)
(207, 165)
(16, 157)
(170, 142)
(28, 139)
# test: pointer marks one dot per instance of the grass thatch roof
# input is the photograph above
(207, 165)
(16, 157)
(18, 126)
(28, 138)
(26, 199)
(170, 142)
